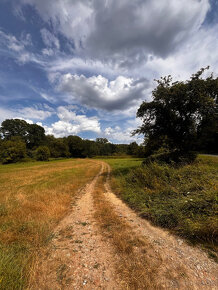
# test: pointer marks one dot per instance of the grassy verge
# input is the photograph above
(182, 199)
(33, 198)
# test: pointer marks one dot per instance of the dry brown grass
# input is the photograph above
(33, 198)
(136, 261)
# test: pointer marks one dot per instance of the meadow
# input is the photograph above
(34, 197)
(182, 199)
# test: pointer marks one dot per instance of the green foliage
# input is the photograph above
(57, 146)
(104, 147)
(170, 156)
(102, 140)
(12, 150)
(182, 115)
(14, 127)
(90, 149)
(32, 134)
(42, 153)
(12, 265)
(72, 146)
(75, 145)
(36, 135)
(183, 199)
(132, 148)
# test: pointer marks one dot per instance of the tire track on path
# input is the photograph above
(83, 256)
(79, 256)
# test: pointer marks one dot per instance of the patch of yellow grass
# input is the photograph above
(33, 198)
(137, 263)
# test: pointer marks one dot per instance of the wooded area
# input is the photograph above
(20, 140)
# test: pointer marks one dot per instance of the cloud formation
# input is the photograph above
(27, 113)
(120, 135)
(101, 55)
(49, 39)
(124, 32)
(70, 123)
(9, 41)
(99, 92)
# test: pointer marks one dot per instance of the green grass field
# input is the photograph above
(182, 199)
(34, 196)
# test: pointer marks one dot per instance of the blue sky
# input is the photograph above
(84, 67)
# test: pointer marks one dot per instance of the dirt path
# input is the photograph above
(82, 257)
(79, 256)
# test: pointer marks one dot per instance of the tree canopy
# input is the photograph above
(180, 115)
(32, 134)
(12, 150)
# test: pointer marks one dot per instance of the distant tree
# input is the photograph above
(75, 145)
(12, 150)
(104, 146)
(90, 149)
(58, 146)
(176, 116)
(133, 148)
(42, 153)
(102, 140)
(140, 151)
(121, 149)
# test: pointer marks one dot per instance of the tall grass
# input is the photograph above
(182, 199)
(33, 198)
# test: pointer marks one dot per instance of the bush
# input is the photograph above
(164, 155)
(42, 153)
(12, 150)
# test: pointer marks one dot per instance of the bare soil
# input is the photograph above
(81, 256)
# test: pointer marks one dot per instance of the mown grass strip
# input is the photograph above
(33, 198)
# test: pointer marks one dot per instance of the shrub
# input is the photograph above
(12, 150)
(42, 153)
(164, 155)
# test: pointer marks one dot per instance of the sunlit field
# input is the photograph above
(33, 198)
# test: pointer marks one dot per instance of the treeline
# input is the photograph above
(20, 140)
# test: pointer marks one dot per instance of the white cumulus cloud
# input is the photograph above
(121, 135)
(99, 92)
(70, 123)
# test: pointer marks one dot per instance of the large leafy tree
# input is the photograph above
(180, 114)
(36, 135)
(14, 127)
(32, 134)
